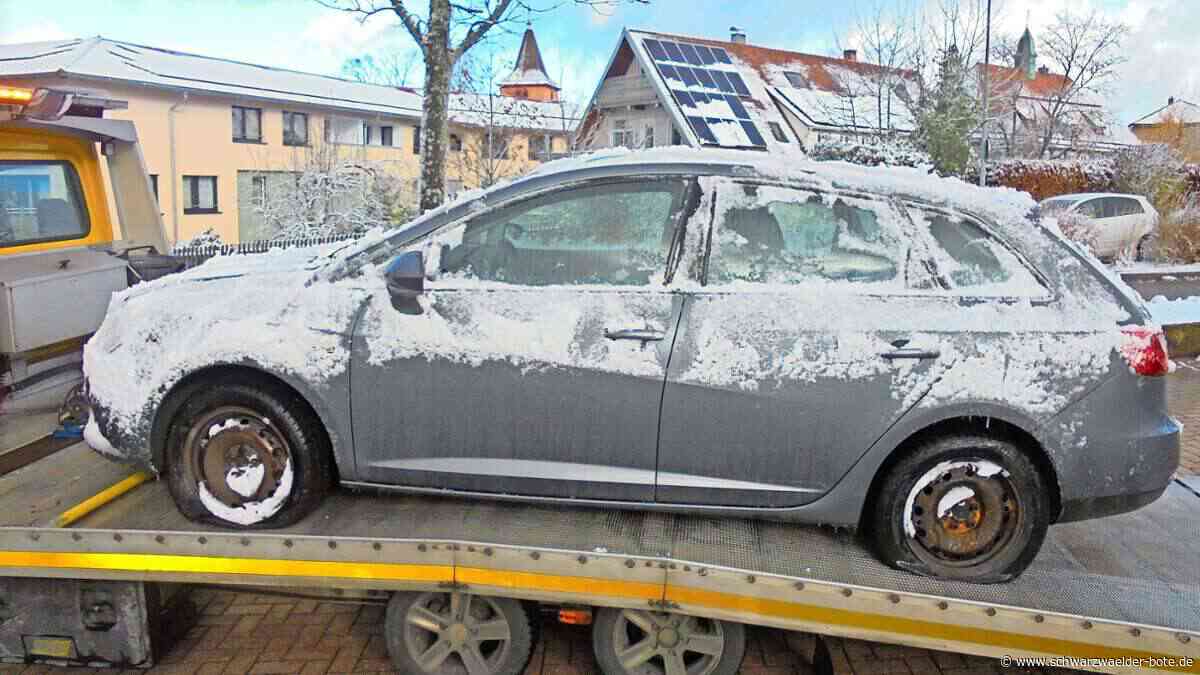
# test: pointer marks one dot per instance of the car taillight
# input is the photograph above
(1145, 348)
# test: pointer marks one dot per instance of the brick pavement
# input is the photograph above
(1183, 392)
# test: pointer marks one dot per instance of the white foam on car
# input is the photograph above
(250, 513)
(953, 497)
(983, 468)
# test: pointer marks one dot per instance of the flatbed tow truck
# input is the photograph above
(88, 551)
(1120, 594)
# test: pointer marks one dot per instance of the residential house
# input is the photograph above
(664, 89)
(1176, 124)
(1024, 100)
(218, 135)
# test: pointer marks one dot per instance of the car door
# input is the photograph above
(1110, 231)
(537, 361)
(801, 348)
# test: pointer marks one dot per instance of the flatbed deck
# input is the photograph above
(1123, 586)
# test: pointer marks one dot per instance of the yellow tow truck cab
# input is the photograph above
(62, 252)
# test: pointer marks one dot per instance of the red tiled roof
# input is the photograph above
(815, 65)
(1044, 84)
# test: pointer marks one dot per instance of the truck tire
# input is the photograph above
(638, 642)
(246, 456)
(967, 507)
(452, 633)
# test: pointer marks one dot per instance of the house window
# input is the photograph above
(367, 134)
(417, 140)
(247, 125)
(676, 139)
(154, 186)
(385, 136)
(199, 194)
(622, 135)
(648, 137)
(258, 186)
(539, 147)
(295, 128)
(796, 79)
(777, 132)
(455, 143)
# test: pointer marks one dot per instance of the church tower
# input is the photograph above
(529, 79)
(1026, 57)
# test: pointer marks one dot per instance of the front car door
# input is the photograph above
(801, 348)
(536, 365)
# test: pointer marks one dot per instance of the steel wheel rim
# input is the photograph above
(238, 454)
(457, 634)
(963, 513)
(654, 643)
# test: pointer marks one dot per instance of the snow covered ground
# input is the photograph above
(1157, 268)
(1168, 312)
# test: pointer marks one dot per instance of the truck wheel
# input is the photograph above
(637, 642)
(458, 634)
(246, 456)
(965, 507)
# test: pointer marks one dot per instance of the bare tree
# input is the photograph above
(1086, 50)
(443, 34)
(887, 41)
(326, 189)
(392, 68)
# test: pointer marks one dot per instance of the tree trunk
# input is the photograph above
(435, 129)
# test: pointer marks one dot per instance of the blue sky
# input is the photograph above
(577, 41)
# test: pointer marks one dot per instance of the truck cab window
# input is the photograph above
(40, 201)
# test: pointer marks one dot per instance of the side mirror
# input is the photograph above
(405, 276)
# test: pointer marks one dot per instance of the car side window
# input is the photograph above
(608, 233)
(1131, 207)
(777, 235)
(1092, 208)
(972, 260)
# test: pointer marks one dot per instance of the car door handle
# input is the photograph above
(911, 353)
(640, 334)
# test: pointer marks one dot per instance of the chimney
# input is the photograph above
(850, 54)
(1043, 70)
(1170, 100)
(737, 35)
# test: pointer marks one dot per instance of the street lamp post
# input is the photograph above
(987, 93)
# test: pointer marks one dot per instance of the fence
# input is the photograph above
(192, 255)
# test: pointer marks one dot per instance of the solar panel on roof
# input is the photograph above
(739, 110)
(673, 52)
(704, 77)
(690, 53)
(739, 85)
(656, 50)
(716, 118)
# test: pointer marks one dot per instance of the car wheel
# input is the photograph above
(966, 507)
(638, 642)
(246, 456)
(458, 634)
(1144, 246)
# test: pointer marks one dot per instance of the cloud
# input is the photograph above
(340, 35)
(42, 31)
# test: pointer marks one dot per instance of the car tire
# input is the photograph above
(616, 631)
(1143, 247)
(246, 456)
(435, 632)
(965, 507)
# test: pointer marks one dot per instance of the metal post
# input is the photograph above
(987, 92)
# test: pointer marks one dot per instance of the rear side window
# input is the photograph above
(777, 235)
(971, 260)
(1129, 207)
(40, 201)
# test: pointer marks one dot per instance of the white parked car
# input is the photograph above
(1118, 224)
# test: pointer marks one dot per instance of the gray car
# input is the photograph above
(691, 331)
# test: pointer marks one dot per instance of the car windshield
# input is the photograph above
(1053, 207)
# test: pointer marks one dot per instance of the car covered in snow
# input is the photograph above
(1111, 225)
(697, 331)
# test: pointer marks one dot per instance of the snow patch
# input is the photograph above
(250, 513)
(982, 467)
(953, 497)
(95, 438)
(1170, 312)
(245, 480)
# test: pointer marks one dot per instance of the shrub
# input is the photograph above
(1044, 178)
(878, 152)
(1179, 232)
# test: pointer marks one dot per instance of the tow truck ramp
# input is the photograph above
(1125, 588)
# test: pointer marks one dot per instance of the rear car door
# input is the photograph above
(801, 348)
(536, 365)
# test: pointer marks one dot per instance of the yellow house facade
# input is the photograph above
(1176, 124)
(219, 135)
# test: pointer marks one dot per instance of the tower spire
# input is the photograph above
(529, 78)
